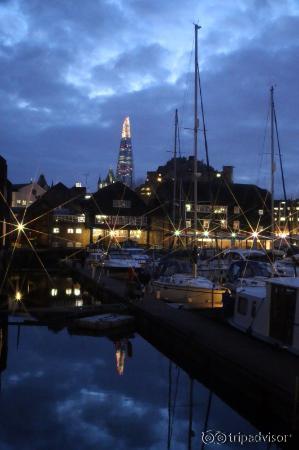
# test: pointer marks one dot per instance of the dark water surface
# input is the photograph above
(62, 391)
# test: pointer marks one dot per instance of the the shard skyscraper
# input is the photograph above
(125, 168)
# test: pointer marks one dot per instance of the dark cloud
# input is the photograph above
(71, 73)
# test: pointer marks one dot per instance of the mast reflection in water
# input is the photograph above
(63, 390)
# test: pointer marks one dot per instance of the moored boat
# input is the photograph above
(269, 311)
(195, 292)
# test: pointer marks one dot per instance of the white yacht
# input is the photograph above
(269, 310)
(121, 260)
(193, 292)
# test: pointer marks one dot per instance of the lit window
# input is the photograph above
(188, 207)
(77, 291)
(56, 230)
(282, 219)
(79, 302)
(223, 224)
(206, 224)
(78, 244)
(100, 218)
(19, 202)
(261, 212)
(78, 184)
(24, 203)
(81, 219)
(68, 291)
(70, 230)
(188, 223)
(236, 225)
(78, 230)
(236, 210)
(54, 292)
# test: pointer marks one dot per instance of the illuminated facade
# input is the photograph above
(124, 171)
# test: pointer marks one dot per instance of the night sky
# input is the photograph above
(70, 71)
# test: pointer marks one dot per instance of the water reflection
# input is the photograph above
(61, 389)
(39, 290)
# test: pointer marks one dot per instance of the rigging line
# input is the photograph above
(263, 146)
(204, 123)
(179, 139)
(187, 85)
(174, 400)
(207, 417)
(280, 162)
(169, 404)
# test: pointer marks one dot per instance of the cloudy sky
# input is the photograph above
(71, 71)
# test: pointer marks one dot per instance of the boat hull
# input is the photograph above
(201, 298)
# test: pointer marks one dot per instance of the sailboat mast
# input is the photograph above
(195, 128)
(174, 166)
(196, 28)
(272, 162)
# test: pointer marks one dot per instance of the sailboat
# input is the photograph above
(185, 288)
(268, 308)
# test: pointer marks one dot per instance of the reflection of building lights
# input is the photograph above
(68, 291)
(54, 292)
(77, 291)
(18, 296)
(206, 233)
(79, 302)
(177, 233)
(255, 234)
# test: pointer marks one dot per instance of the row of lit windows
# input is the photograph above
(68, 291)
(207, 208)
(23, 202)
(56, 230)
(69, 218)
(120, 220)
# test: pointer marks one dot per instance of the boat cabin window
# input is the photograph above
(242, 307)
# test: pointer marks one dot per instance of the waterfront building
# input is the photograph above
(227, 214)
(25, 194)
(58, 218)
(286, 217)
(184, 173)
(125, 168)
(5, 201)
(116, 213)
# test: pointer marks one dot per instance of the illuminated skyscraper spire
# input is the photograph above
(124, 171)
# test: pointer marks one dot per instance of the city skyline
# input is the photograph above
(70, 75)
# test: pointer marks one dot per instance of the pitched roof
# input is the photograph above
(102, 200)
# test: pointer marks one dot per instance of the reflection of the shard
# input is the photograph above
(122, 347)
